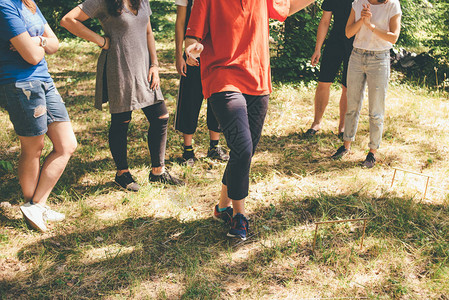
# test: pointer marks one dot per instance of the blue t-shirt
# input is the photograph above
(15, 19)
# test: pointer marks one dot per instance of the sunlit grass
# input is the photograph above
(162, 242)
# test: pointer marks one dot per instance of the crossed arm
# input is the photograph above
(30, 47)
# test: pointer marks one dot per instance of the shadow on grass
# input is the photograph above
(146, 251)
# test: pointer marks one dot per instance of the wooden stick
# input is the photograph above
(339, 221)
(394, 174)
(416, 173)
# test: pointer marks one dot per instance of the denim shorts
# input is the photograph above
(32, 106)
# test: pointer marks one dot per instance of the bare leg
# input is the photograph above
(213, 135)
(187, 139)
(64, 144)
(238, 206)
(224, 199)
(29, 164)
(321, 100)
(343, 108)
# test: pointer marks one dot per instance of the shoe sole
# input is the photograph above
(31, 223)
(118, 184)
(236, 236)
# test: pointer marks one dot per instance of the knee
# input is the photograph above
(33, 151)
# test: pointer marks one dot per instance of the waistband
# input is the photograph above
(370, 52)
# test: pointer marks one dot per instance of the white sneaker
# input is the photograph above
(34, 215)
(51, 215)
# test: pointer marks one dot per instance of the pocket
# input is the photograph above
(382, 56)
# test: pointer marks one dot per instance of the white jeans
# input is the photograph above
(372, 68)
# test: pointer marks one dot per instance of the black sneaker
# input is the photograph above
(165, 178)
(370, 161)
(218, 153)
(310, 133)
(127, 182)
(239, 227)
(223, 216)
(340, 136)
(342, 151)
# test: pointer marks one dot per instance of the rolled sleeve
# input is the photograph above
(278, 9)
(199, 19)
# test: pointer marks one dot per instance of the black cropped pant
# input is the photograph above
(241, 119)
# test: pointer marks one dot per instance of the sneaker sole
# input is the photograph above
(118, 184)
(236, 236)
(31, 223)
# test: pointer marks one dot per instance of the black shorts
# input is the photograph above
(335, 53)
(190, 98)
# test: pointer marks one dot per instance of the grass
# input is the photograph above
(161, 243)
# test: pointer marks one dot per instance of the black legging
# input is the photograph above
(157, 135)
(241, 118)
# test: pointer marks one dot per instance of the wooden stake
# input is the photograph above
(416, 173)
(339, 221)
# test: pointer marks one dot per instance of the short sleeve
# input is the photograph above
(92, 8)
(181, 2)
(327, 5)
(396, 9)
(147, 6)
(199, 19)
(11, 25)
(278, 9)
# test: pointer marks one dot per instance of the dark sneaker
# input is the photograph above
(239, 227)
(370, 161)
(218, 153)
(223, 216)
(340, 136)
(127, 182)
(165, 178)
(310, 133)
(189, 162)
(342, 151)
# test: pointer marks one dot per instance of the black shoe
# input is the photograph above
(340, 135)
(165, 178)
(218, 153)
(370, 161)
(223, 216)
(310, 133)
(127, 182)
(342, 151)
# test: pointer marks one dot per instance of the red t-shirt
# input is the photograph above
(234, 33)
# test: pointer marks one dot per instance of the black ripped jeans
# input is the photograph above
(157, 135)
(241, 119)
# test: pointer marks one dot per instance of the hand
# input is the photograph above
(193, 52)
(153, 77)
(366, 15)
(107, 43)
(181, 66)
(315, 57)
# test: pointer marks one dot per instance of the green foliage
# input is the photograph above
(424, 27)
(295, 44)
(54, 10)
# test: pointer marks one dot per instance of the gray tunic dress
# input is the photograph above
(122, 70)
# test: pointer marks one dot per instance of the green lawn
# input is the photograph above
(162, 242)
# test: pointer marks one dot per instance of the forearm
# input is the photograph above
(76, 27)
(353, 28)
(323, 28)
(297, 5)
(152, 48)
(179, 30)
(383, 34)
